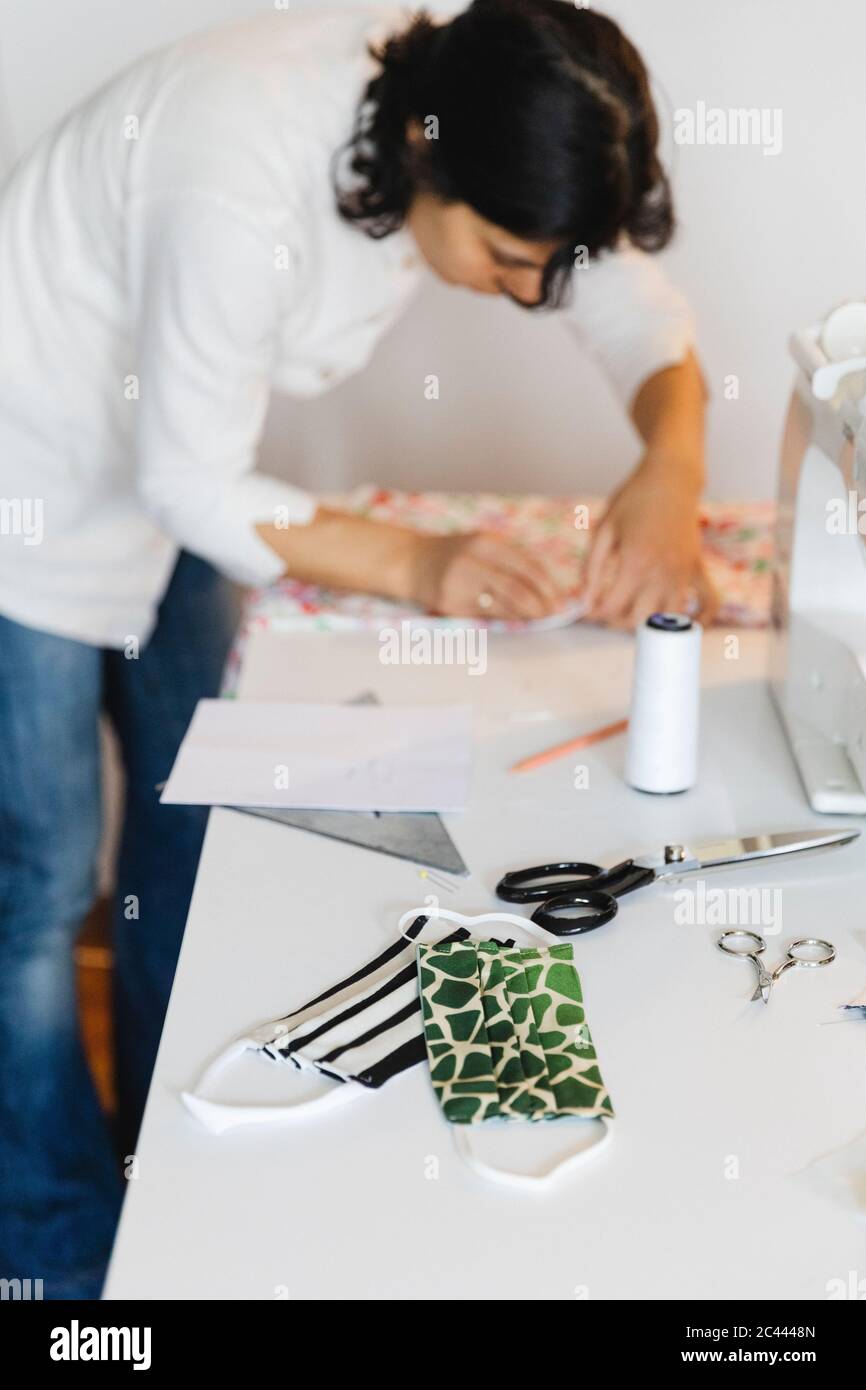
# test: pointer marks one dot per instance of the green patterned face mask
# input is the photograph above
(507, 1037)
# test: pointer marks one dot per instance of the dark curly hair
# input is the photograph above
(546, 128)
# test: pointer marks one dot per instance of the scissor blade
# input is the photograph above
(762, 991)
(713, 854)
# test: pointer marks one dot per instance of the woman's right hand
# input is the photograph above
(483, 575)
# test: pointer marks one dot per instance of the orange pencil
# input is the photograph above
(574, 745)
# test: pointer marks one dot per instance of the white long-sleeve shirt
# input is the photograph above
(169, 255)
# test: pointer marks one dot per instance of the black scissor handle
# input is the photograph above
(605, 906)
(593, 887)
(520, 885)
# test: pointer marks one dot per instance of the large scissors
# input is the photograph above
(562, 887)
(808, 951)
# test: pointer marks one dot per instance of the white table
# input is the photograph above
(704, 1083)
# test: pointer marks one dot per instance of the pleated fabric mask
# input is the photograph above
(359, 1033)
(507, 1039)
(369, 1027)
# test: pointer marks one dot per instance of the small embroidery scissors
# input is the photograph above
(579, 885)
(793, 956)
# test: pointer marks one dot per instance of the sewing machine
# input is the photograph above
(818, 646)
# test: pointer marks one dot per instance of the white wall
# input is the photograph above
(766, 244)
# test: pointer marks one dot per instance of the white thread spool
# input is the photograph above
(662, 751)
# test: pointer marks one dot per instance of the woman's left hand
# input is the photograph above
(645, 555)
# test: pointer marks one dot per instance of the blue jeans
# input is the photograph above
(60, 1168)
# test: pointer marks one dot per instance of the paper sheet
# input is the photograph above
(324, 757)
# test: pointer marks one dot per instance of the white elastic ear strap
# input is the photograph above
(528, 1182)
(448, 915)
(218, 1116)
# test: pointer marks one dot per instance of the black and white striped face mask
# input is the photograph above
(361, 1032)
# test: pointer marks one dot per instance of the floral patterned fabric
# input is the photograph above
(737, 539)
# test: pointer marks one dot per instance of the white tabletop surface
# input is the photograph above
(708, 1188)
